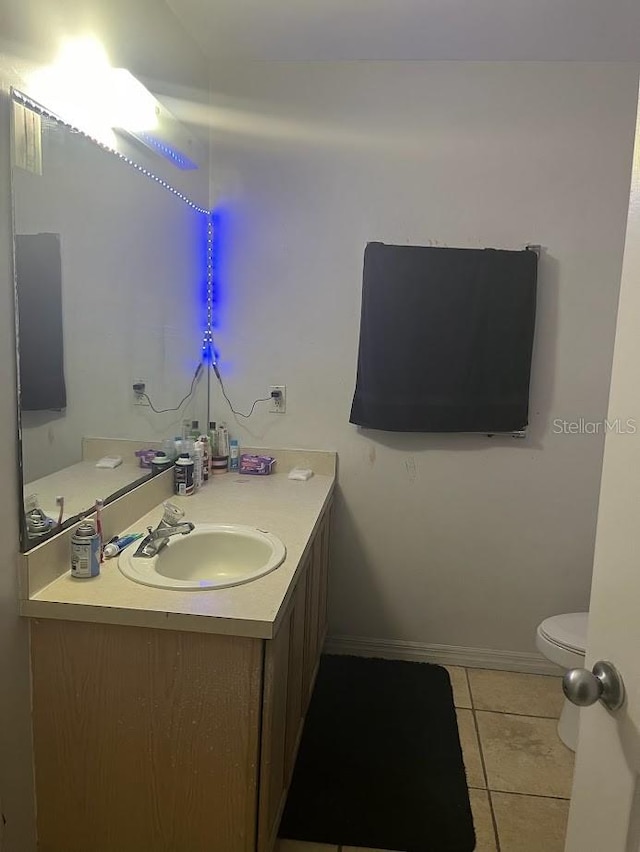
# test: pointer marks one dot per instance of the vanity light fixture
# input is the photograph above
(167, 137)
(82, 88)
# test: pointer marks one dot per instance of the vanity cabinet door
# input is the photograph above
(273, 780)
(295, 702)
(311, 622)
(291, 662)
(316, 607)
(283, 712)
(144, 739)
(323, 578)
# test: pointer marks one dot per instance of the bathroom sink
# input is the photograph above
(213, 556)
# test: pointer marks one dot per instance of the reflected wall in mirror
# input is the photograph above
(111, 288)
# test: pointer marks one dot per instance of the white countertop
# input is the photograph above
(289, 509)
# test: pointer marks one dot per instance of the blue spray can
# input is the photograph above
(85, 551)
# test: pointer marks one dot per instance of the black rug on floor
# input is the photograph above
(380, 763)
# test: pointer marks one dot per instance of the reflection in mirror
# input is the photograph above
(111, 288)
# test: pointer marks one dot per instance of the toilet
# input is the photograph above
(563, 640)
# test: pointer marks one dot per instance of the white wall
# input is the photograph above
(455, 540)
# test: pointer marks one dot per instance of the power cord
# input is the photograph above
(138, 388)
(224, 394)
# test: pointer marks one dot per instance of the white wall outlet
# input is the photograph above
(278, 404)
(139, 389)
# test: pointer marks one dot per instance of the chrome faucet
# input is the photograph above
(171, 524)
(164, 532)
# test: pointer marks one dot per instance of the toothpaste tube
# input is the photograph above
(115, 547)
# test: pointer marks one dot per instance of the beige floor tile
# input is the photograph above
(529, 823)
(510, 692)
(459, 685)
(523, 754)
(470, 748)
(483, 824)
(303, 846)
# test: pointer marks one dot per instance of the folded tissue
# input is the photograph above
(109, 462)
(302, 473)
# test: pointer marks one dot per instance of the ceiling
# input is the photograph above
(493, 30)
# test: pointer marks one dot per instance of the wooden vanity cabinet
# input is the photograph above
(291, 665)
(153, 740)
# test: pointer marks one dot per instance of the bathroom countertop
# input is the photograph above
(289, 509)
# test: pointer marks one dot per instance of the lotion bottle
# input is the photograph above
(223, 440)
(233, 454)
(206, 460)
(198, 459)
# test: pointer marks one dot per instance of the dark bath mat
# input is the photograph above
(380, 763)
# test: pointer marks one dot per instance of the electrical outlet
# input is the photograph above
(139, 389)
(278, 404)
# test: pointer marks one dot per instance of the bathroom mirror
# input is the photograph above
(110, 281)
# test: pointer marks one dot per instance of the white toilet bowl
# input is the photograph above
(563, 640)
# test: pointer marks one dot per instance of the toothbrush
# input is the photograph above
(99, 507)
(60, 505)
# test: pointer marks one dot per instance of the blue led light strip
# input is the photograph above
(25, 100)
(172, 154)
(208, 351)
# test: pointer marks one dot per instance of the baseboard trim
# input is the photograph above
(447, 655)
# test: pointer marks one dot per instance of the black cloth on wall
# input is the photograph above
(446, 337)
(39, 287)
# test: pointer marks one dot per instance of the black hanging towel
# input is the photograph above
(446, 336)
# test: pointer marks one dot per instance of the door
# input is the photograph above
(605, 806)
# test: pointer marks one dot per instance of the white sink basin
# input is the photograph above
(213, 556)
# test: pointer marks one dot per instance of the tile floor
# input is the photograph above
(518, 771)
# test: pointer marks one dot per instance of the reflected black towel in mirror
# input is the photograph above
(446, 336)
(39, 289)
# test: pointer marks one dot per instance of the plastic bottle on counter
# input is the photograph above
(234, 451)
(198, 462)
(213, 443)
(223, 440)
(169, 448)
(206, 461)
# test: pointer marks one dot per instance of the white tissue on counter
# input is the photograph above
(109, 462)
(302, 473)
